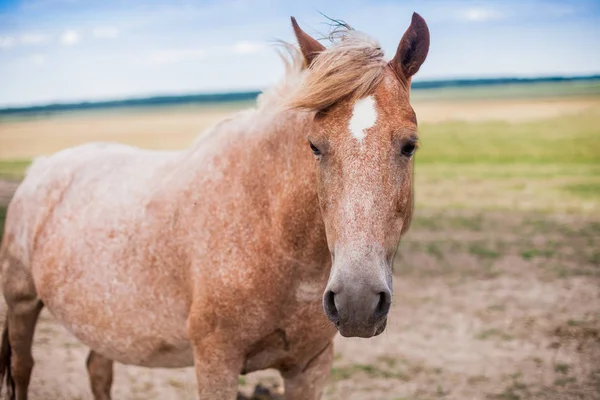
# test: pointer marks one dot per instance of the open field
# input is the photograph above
(497, 284)
(540, 154)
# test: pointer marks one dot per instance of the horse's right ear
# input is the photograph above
(309, 46)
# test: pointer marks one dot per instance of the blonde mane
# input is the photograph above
(351, 67)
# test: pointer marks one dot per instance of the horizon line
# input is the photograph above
(250, 94)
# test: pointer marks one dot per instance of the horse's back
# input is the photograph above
(81, 226)
(65, 179)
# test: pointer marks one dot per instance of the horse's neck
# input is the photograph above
(264, 157)
(294, 177)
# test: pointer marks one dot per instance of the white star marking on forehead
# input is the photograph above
(364, 117)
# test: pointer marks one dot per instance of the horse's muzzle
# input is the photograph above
(358, 313)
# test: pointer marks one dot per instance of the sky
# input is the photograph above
(84, 50)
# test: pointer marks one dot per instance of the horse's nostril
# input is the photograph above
(383, 306)
(330, 308)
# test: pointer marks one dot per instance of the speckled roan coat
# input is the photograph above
(219, 256)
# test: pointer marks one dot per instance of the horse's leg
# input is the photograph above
(217, 362)
(23, 310)
(100, 370)
(216, 371)
(309, 383)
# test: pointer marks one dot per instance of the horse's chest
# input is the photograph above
(301, 335)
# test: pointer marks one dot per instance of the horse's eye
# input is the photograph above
(314, 149)
(409, 149)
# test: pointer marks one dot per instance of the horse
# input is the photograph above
(249, 250)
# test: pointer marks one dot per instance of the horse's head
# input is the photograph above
(364, 138)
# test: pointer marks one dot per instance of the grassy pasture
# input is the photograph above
(550, 165)
(496, 284)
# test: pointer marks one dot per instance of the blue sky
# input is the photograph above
(72, 50)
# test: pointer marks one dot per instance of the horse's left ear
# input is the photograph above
(309, 46)
(413, 48)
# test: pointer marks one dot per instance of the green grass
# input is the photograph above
(573, 139)
(532, 253)
(564, 381)
(483, 251)
(13, 169)
(562, 368)
(348, 372)
(443, 243)
(493, 333)
(589, 189)
(548, 165)
(2, 219)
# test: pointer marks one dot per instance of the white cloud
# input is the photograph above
(37, 59)
(481, 14)
(33, 39)
(6, 42)
(106, 32)
(172, 56)
(245, 47)
(70, 37)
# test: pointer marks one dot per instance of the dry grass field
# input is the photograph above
(497, 284)
(177, 127)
